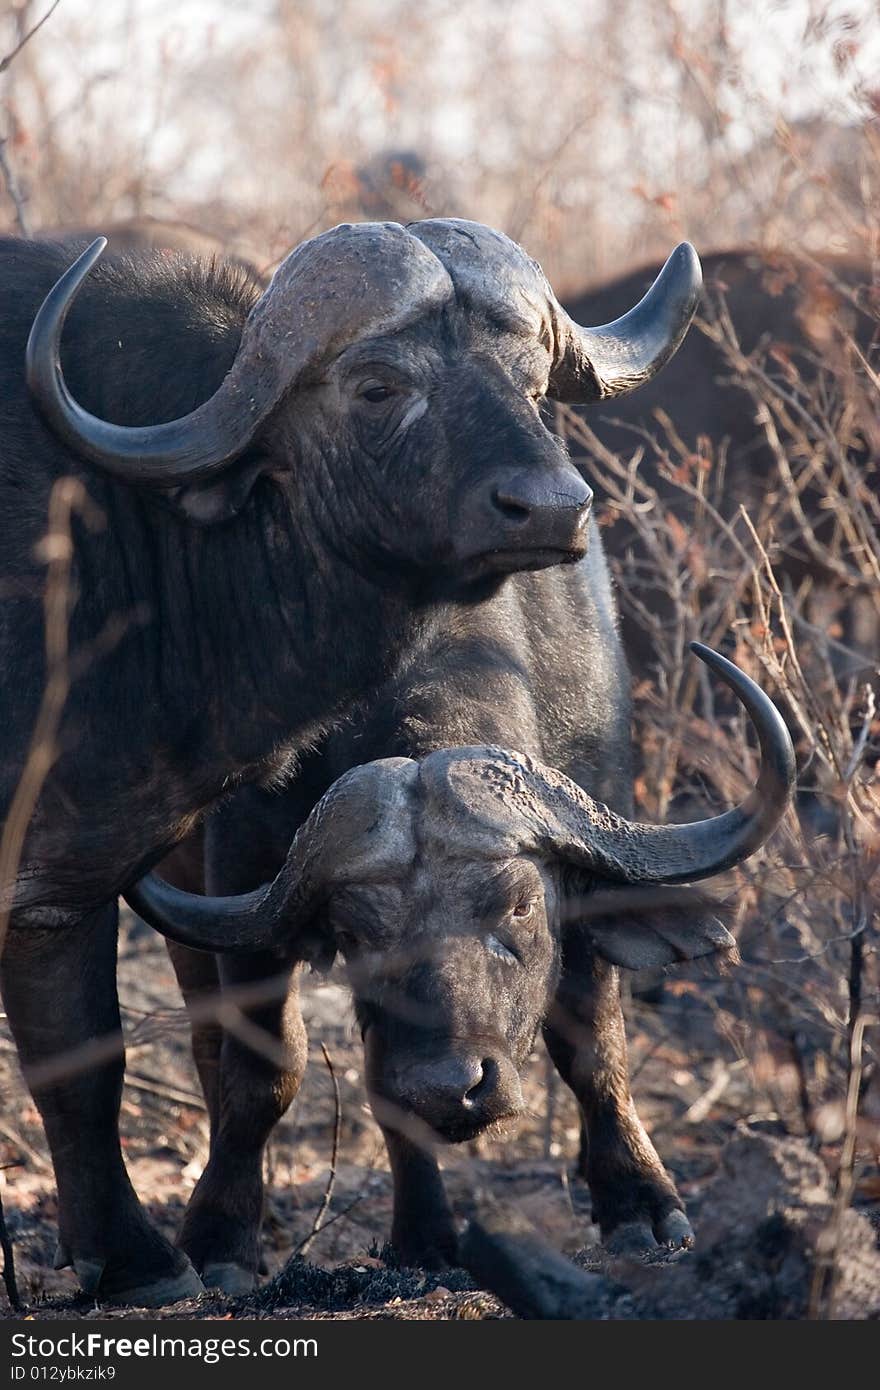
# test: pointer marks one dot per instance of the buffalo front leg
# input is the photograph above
(59, 989)
(423, 1233)
(422, 1229)
(634, 1198)
(262, 1063)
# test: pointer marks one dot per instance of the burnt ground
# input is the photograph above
(714, 1087)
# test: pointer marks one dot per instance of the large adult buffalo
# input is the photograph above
(285, 487)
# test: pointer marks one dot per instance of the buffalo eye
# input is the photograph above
(376, 392)
(524, 908)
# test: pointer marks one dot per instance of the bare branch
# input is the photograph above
(10, 178)
(35, 29)
(320, 1216)
(8, 1264)
(13, 188)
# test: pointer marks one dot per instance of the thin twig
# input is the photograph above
(10, 57)
(13, 188)
(224, 1008)
(551, 1085)
(19, 1142)
(169, 1093)
(305, 1246)
(825, 1274)
(67, 496)
(10, 178)
(9, 1264)
(339, 1215)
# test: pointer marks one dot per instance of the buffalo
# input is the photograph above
(476, 895)
(273, 495)
(136, 235)
(792, 318)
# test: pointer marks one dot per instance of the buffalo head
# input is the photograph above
(447, 884)
(387, 382)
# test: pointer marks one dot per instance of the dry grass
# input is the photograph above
(790, 586)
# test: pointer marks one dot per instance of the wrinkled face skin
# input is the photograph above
(449, 471)
(452, 970)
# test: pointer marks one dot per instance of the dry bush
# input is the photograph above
(595, 134)
(790, 587)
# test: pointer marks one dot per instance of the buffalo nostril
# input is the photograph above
(509, 507)
(487, 1082)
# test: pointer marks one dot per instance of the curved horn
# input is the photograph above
(360, 829)
(598, 363)
(347, 284)
(688, 853)
(588, 364)
(533, 808)
(231, 925)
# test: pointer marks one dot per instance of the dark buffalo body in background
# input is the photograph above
(371, 453)
(771, 303)
(136, 235)
(791, 314)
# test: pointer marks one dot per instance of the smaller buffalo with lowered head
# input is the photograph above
(453, 887)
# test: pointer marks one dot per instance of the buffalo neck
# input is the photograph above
(232, 650)
(255, 636)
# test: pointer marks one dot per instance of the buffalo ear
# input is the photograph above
(648, 925)
(215, 500)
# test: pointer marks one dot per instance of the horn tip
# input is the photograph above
(721, 665)
(79, 269)
(687, 262)
(759, 705)
(94, 250)
(702, 651)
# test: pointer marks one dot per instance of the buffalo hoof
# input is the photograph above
(171, 1289)
(675, 1231)
(672, 1232)
(229, 1278)
(632, 1238)
(434, 1255)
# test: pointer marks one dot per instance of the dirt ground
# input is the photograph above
(722, 1112)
